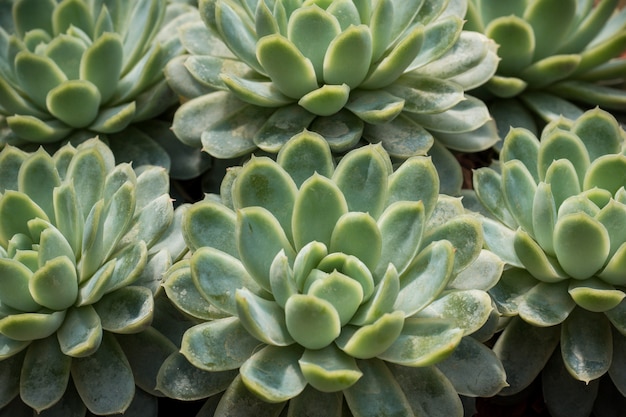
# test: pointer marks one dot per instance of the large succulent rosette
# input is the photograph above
(73, 67)
(395, 72)
(557, 57)
(83, 247)
(315, 284)
(557, 210)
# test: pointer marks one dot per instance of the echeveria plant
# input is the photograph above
(558, 207)
(387, 71)
(83, 246)
(73, 65)
(318, 283)
(555, 56)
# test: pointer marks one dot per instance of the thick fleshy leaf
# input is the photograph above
(114, 119)
(311, 30)
(258, 93)
(466, 116)
(550, 19)
(317, 195)
(439, 38)
(307, 259)
(303, 155)
(37, 75)
(127, 310)
(260, 238)
(581, 244)
(469, 355)
(348, 57)
(586, 344)
(362, 178)
(373, 339)
(312, 321)
(343, 292)
(522, 144)
(424, 94)
(423, 342)
(55, 284)
(542, 266)
(218, 345)
(517, 43)
(180, 379)
(468, 310)
(16, 210)
(329, 369)
(464, 232)
(602, 171)
(382, 301)
(273, 373)
(599, 131)
(401, 226)
(37, 178)
(30, 326)
(524, 350)
(429, 390)
(546, 304)
(101, 64)
(377, 393)
(402, 137)
(36, 130)
(425, 277)
(217, 275)
(482, 274)
(291, 72)
(326, 100)
(93, 287)
(283, 124)
(14, 286)
(563, 180)
(81, 333)
(264, 183)
(613, 271)
(357, 234)
(210, 224)
(416, 179)
(396, 61)
(342, 130)
(239, 400)
(595, 295)
(560, 144)
(316, 403)
(45, 374)
(182, 291)
(104, 379)
(263, 319)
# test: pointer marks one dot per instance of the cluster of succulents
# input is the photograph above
(556, 207)
(317, 282)
(83, 245)
(325, 264)
(387, 71)
(72, 69)
(554, 56)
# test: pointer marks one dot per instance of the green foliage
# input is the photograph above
(328, 280)
(83, 245)
(555, 217)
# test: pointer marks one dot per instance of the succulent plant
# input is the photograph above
(83, 247)
(315, 282)
(557, 207)
(80, 68)
(387, 71)
(556, 56)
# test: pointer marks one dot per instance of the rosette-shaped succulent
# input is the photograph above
(76, 65)
(83, 247)
(558, 207)
(556, 55)
(388, 71)
(318, 283)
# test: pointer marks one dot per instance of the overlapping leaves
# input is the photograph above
(324, 277)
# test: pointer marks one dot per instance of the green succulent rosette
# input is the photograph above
(84, 244)
(389, 71)
(557, 209)
(76, 67)
(556, 56)
(315, 283)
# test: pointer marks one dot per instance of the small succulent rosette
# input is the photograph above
(72, 66)
(557, 210)
(556, 56)
(316, 283)
(84, 244)
(390, 71)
